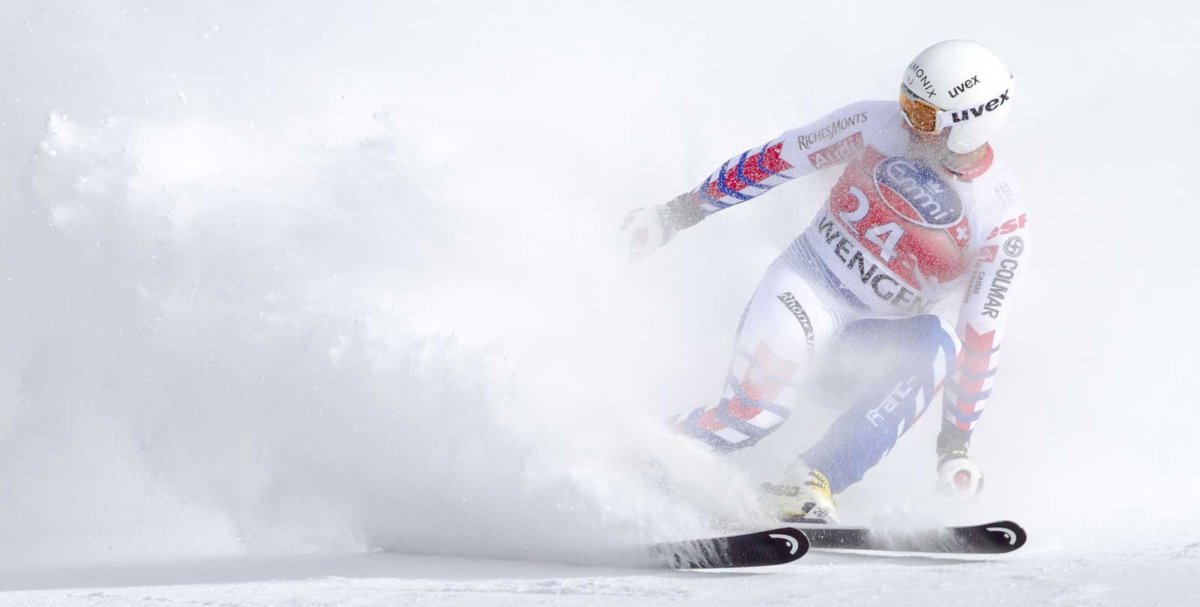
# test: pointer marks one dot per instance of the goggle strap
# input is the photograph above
(944, 119)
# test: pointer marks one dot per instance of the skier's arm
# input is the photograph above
(828, 141)
(1004, 251)
(831, 140)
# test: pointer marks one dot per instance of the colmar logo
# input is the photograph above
(999, 288)
(1014, 246)
(926, 194)
(975, 112)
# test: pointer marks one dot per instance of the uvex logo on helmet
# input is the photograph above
(964, 86)
(975, 112)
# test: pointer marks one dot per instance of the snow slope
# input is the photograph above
(1155, 571)
(282, 282)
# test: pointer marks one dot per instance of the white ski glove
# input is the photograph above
(646, 229)
(643, 231)
(960, 479)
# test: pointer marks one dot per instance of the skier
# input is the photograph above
(923, 207)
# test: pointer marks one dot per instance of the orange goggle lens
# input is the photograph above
(921, 116)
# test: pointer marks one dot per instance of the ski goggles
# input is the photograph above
(922, 116)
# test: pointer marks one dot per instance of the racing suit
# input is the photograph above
(847, 301)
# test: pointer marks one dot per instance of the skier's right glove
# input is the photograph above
(646, 229)
(959, 478)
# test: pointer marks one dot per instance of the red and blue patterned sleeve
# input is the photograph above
(832, 140)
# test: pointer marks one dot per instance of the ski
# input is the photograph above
(990, 538)
(758, 549)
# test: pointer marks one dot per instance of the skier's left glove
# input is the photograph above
(646, 229)
(958, 477)
(642, 232)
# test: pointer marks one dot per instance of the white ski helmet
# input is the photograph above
(961, 85)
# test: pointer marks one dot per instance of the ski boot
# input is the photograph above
(802, 496)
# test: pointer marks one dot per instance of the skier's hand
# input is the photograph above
(643, 231)
(959, 478)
